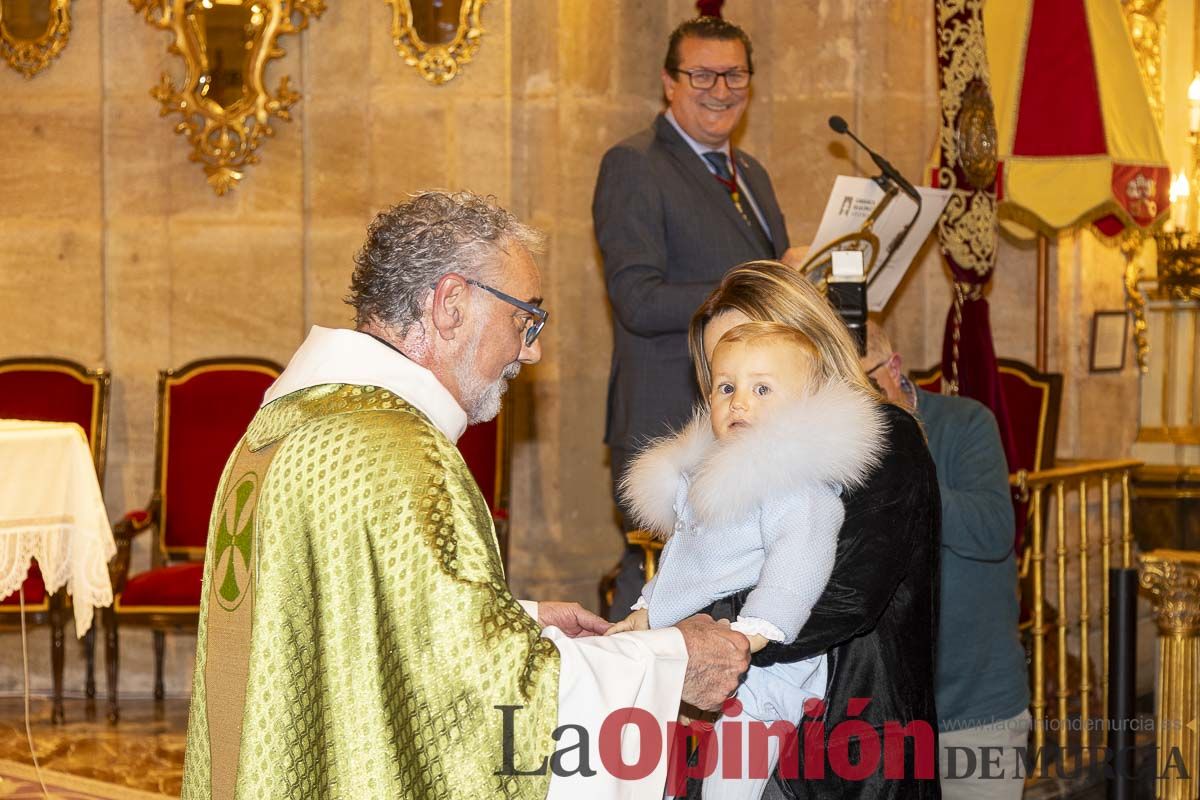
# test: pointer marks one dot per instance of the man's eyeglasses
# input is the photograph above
(536, 320)
(736, 78)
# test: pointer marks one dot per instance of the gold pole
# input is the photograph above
(1173, 579)
(1085, 677)
(1105, 564)
(1038, 557)
(1193, 408)
(1043, 298)
(1126, 523)
(1168, 382)
(1061, 625)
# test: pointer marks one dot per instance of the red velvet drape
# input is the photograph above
(968, 354)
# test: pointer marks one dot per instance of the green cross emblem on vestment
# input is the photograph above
(235, 543)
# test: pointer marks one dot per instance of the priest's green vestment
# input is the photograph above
(356, 633)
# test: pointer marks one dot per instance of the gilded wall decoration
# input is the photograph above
(1135, 298)
(967, 228)
(224, 105)
(1179, 266)
(977, 135)
(436, 36)
(966, 158)
(33, 33)
(1177, 275)
(1145, 20)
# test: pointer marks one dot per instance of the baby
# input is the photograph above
(748, 495)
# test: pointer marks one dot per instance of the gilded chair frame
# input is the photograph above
(160, 619)
(651, 547)
(1049, 383)
(1051, 386)
(53, 610)
(102, 380)
(168, 379)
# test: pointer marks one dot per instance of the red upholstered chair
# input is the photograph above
(485, 449)
(55, 390)
(203, 410)
(1033, 400)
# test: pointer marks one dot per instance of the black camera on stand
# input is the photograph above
(846, 288)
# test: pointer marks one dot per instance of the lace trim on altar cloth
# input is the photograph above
(66, 557)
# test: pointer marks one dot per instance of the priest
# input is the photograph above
(357, 636)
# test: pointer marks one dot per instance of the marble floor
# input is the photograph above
(144, 751)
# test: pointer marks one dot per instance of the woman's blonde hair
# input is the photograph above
(768, 291)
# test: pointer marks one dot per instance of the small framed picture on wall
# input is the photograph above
(1110, 329)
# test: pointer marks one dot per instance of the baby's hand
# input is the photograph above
(637, 621)
(757, 642)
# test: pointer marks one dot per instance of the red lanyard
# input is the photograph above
(731, 183)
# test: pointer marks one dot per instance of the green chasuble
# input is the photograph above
(356, 631)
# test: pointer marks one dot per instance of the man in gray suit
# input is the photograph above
(676, 206)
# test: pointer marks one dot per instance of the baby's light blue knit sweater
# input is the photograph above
(761, 509)
(784, 549)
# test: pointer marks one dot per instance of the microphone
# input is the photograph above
(839, 126)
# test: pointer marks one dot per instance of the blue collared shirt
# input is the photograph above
(701, 149)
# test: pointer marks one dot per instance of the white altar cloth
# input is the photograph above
(51, 509)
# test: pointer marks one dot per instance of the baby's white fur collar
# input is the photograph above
(835, 436)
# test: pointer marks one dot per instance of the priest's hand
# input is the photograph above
(571, 618)
(717, 657)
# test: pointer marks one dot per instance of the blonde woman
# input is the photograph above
(877, 617)
(748, 494)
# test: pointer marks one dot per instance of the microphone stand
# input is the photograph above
(895, 243)
(887, 177)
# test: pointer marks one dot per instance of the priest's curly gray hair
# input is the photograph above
(410, 245)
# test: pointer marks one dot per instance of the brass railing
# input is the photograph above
(1085, 487)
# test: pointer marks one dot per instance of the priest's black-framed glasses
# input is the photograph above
(537, 314)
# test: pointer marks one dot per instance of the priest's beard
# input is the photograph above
(481, 397)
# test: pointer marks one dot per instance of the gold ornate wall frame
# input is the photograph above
(223, 102)
(33, 33)
(1145, 20)
(436, 36)
(1135, 296)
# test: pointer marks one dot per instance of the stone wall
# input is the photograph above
(117, 252)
